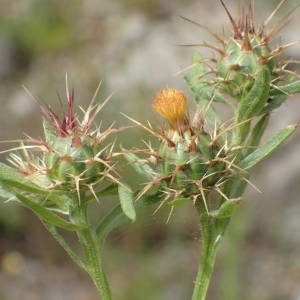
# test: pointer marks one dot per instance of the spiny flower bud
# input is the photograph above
(189, 161)
(241, 58)
(172, 105)
(244, 54)
(72, 156)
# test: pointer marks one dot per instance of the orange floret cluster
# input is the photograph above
(172, 105)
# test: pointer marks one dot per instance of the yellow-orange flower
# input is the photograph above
(172, 105)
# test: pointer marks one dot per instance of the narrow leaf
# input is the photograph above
(9, 177)
(112, 220)
(116, 217)
(226, 210)
(256, 134)
(47, 215)
(288, 89)
(235, 188)
(204, 92)
(139, 166)
(274, 102)
(126, 200)
(253, 102)
(266, 149)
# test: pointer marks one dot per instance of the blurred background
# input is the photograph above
(132, 45)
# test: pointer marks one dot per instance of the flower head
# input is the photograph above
(191, 159)
(172, 105)
(72, 155)
(68, 124)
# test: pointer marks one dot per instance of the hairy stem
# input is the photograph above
(212, 231)
(92, 254)
(94, 264)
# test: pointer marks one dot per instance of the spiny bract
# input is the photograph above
(240, 59)
(72, 156)
(190, 161)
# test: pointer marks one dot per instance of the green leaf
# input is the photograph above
(252, 104)
(256, 134)
(116, 217)
(112, 220)
(226, 210)
(253, 101)
(288, 89)
(142, 168)
(266, 149)
(47, 215)
(235, 188)
(126, 200)
(204, 92)
(10, 178)
(274, 102)
(199, 84)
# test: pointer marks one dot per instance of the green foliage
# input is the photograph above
(203, 91)
(202, 161)
(63, 174)
(126, 200)
(252, 102)
(267, 148)
(12, 181)
(141, 168)
(256, 134)
(226, 209)
(46, 215)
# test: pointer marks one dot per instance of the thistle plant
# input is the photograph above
(204, 160)
(201, 159)
(61, 176)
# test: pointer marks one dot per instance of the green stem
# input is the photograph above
(212, 231)
(114, 219)
(93, 262)
(89, 243)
